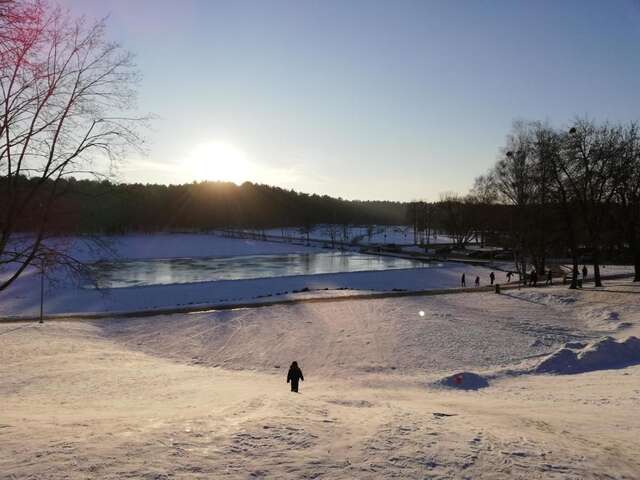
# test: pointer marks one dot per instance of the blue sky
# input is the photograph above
(365, 99)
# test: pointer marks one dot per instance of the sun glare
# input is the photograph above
(218, 161)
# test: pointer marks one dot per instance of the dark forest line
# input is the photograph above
(103, 207)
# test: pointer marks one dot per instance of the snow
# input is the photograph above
(458, 332)
(545, 298)
(602, 354)
(355, 234)
(604, 269)
(429, 386)
(176, 245)
(204, 395)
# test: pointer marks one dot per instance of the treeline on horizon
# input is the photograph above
(103, 207)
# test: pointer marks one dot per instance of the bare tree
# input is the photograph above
(484, 195)
(592, 154)
(331, 230)
(513, 182)
(456, 217)
(554, 146)
(524, 179)
(419, 216)
(64, 96)
(567, 189)
(628, 192)
(345, 232)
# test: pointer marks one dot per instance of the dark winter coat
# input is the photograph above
(294, 376)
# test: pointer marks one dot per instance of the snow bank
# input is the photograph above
(464, 381)
(604, 270)
(603, 354)
(606, 318)
(544, 298)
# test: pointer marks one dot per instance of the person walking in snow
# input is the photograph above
(294, 376)
(585, 272)
(478, 281)
(463, 281)
(534, 278)
(549, 278)
(492, 277)
(509, 274)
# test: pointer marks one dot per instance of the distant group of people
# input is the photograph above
(530, 279)
(492, 279)
(585, 275)
(464, 280)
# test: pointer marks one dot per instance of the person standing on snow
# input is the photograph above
(478, 281)
(509, 274)
(463, 281)
(549, 278)
(294, 376)
(585, 272)
(492, 277)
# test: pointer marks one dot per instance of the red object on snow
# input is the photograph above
(458, 379)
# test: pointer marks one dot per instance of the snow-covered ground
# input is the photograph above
(176, 245)
(204, 395)
(353, 234)
(605, 270)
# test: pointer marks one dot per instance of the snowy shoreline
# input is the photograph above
(64, 299)
(304, 295)
(23, 300)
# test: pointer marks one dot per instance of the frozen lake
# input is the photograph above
(189, 270)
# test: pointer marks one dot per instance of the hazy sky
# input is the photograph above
(365, 99)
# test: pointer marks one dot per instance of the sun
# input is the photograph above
(217, 161)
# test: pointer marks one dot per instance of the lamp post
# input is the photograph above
(42, 289)
(574, 244)
(522, 272)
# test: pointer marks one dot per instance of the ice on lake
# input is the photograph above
(190, 270)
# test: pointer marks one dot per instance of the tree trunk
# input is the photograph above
(634, 245)
(596, 268)
(574, 272)
(574, 258)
